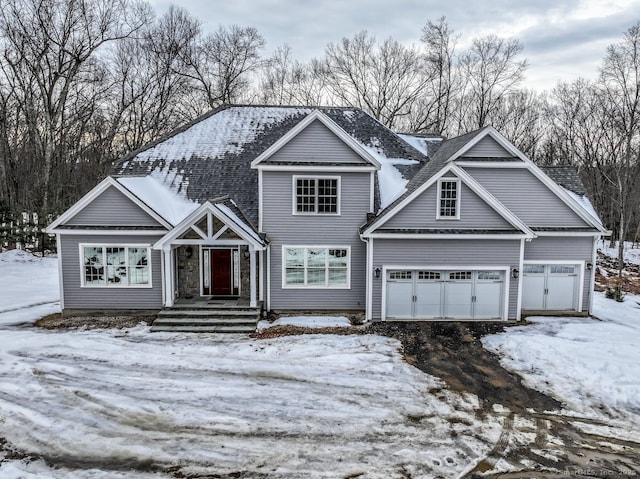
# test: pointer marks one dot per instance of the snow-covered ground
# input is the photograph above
(591, 365)
(631, 254)
(28, 287)
(307, 322)
(129, 403)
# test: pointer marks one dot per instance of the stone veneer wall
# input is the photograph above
(188, 272)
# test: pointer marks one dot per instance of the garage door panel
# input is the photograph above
(399, 299)
(488, 304)
(533, 292)
(550, 287)
(561, 292)
(428, 300)
(457, 303)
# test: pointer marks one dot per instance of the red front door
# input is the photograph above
(220, 280)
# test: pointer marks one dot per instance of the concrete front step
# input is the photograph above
(203, 328)
(222, 321)
(210, 313)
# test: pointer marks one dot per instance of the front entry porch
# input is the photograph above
(213, 254)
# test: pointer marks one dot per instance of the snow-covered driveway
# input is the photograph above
(129, 403)
(294, 407)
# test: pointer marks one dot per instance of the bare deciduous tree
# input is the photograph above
(491, 70)
(384, 80)
(48, 46)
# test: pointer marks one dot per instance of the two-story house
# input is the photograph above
(311, 209)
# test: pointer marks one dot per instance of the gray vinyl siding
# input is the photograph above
(564, 248)
(284, 228)
(487, 147)
(422, 211)
(431, 253)
(316, 143)
(526, 196)
(77, 297)
(112, 208)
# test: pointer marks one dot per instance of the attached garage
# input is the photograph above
(551, 287)
(445, 294)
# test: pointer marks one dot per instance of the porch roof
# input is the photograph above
(226, 211)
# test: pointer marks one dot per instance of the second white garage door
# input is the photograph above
(461, 294)
(551, 287)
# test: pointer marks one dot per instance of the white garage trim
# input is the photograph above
(505, 269)
(581, 268)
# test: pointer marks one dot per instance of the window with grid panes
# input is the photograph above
(448, 201)
(317, 195)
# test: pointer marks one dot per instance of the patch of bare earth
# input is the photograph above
(537, 441)
(58, 321)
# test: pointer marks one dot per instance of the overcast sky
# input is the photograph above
(563, 39)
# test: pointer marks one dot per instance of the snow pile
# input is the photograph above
(28, 285)
(590, 365)
(164, 201)
(307, 322)
(18, 256)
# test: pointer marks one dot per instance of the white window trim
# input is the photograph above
(314, 286)
(294, 195)
(81, 247)
(458, 195)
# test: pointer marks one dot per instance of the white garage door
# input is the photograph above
(551, 287)
(424, 294)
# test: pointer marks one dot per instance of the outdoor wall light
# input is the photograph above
(188, 253)
(589, 266)
(377, 271)
(515, 273)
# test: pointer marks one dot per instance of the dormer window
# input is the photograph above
(316, 195)
(448, 199)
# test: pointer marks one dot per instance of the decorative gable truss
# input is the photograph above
(452, 172)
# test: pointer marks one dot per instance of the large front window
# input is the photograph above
(316, 267)
(316, 195)
(115, 266)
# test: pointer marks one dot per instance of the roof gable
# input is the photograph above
(226, 213)
(110, 204)
(449, 170)
(475, 213)
(315, 118)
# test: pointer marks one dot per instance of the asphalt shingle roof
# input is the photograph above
(567, 177)
(211, 156)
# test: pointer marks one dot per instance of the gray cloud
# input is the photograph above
(309, 26)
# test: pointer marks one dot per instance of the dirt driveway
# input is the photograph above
(537, 441)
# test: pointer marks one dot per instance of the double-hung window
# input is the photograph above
(448, 199)
(316, 195)
(316, 267)
(115, 266)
